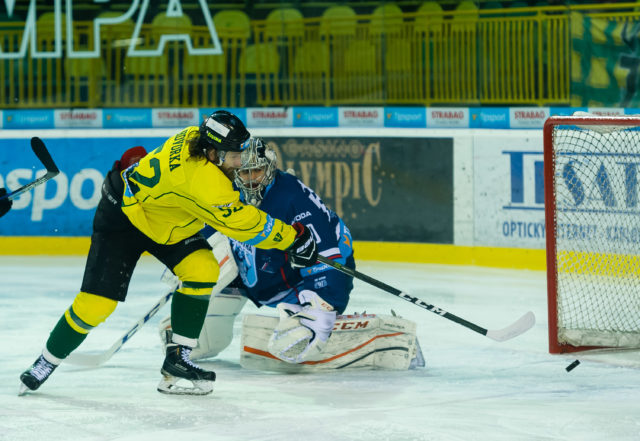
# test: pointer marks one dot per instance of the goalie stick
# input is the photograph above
(43, 155)
(95, 360)
(515, 329)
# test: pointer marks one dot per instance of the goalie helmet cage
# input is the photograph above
(592, 215)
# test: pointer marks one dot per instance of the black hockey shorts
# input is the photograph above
(116, 246)
(113, 257)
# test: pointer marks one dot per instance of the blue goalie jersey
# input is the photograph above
(267, 275)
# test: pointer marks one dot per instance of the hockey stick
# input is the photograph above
(520, 326)
(95, 360)
(43, 155)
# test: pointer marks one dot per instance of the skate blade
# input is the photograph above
(170, 386)
(23, 389)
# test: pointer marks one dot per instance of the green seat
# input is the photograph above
(430, 17)
(338, 20)
(284, 22)
(260, 58)
(387, 19)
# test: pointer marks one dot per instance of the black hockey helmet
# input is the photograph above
(223, 131)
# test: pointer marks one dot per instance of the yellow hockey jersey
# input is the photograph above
(169, 196)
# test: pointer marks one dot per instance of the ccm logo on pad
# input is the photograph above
(348, 326)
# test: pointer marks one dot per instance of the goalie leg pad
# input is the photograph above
(217, 331)
(366, 341)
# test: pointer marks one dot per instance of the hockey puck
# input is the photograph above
(572, 366)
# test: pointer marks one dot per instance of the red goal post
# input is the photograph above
(592, 215)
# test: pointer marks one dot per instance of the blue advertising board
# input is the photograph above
(413, 117)
(489, 118)
(63, 206)
(28, 119)
(315, 117)
(395, 117)
(126, 118)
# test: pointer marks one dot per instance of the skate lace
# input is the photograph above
(184, 354)
(42, 369)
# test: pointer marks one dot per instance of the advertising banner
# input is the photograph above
(281, 117)
(28, 119)
(447, 117)
(127, 118)
(385, 189)
(269, 117)
(315, 117)
(78, 118)
(176, 117)
(405, 117)
(509, 191)
(63, 206)
(361, 116)
(528, 117)
(489, 118)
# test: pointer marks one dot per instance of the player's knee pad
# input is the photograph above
(198, 273)
(88, 311)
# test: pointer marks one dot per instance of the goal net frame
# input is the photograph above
(601, 125)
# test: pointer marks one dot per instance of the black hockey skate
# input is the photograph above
(37, 374)
(177, 366)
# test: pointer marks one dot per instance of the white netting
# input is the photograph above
(597, 220)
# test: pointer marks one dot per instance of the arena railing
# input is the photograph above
(514, 56)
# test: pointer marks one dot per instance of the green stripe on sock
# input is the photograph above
(64, 339)
(197, 285)
(188, 313)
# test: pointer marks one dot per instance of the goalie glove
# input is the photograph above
(303, 252)
(303, 329)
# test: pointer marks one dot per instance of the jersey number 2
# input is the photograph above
(153, 180)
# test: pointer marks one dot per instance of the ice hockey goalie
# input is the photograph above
(290, 342)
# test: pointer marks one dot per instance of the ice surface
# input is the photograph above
(472, 388)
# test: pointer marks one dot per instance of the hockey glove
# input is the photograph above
(303, 330)
(303, 252)
(5, 204)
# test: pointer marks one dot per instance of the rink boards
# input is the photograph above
(417, 195)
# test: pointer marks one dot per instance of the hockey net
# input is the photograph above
(593, 232)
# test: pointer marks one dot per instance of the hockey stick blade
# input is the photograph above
(520, 326)
(96, 360)
(43, 155)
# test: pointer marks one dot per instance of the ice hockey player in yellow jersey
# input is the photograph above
(159, 204)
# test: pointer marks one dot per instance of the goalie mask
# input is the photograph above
(256, 172)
